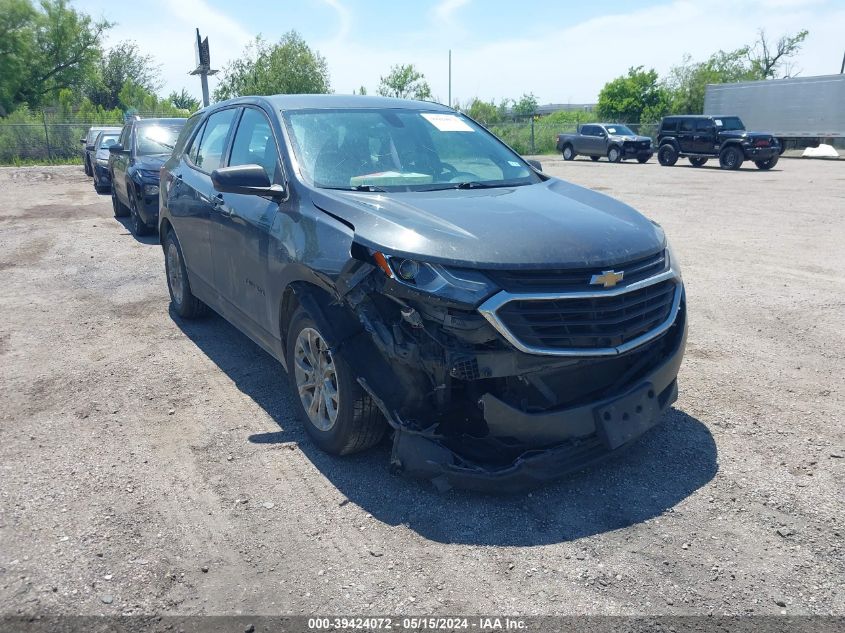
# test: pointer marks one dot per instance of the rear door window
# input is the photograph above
(212, 144)
(686, 125)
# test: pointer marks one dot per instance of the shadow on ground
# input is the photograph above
(666, 466)
(149, 239)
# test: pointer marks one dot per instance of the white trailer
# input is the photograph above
(805, 108)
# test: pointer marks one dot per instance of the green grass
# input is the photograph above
(37, 162)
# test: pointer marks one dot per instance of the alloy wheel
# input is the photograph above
(174, 273)
(316, 378)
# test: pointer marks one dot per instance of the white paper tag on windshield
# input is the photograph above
(447, 122)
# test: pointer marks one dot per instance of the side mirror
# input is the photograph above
(90, 148)
(82, 140)
(117, 148)
(250, 180)
(536, 164)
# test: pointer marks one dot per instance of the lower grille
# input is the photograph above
(594, 323)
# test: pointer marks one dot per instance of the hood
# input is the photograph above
(102, 154)
(150, 163)
(552, 223)
(744, 134)
(630, 137)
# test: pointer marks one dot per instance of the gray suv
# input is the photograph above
(615, 141)
(417, 277)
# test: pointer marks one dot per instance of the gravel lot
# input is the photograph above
(152, 465)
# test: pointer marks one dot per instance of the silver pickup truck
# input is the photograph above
(616, 142)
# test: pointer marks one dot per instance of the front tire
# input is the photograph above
(87, 168)
(614, 154)
(136, 223)
(730, 158)
(767, 164)
(338, 415)
(183, 301)
(568, 152)
(667, 155)
(697, 162)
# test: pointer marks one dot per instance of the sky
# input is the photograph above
(561, 51)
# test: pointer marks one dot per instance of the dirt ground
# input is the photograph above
(149, 465)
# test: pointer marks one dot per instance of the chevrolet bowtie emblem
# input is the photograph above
(608, 278)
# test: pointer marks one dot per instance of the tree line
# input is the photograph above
(641, 96)
(53, 54)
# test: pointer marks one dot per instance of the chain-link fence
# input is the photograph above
(539, 136)
(43, 138)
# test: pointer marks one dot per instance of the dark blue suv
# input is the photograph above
(134, 164)
(416, 276)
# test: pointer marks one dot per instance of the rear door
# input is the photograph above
(686, 135)
(242, 225)
(192, 199)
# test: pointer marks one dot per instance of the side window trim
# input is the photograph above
(196, 137)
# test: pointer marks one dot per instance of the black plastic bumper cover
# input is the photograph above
(589, 433)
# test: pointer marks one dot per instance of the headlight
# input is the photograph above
(458, 284)
(674, 264)
(150, 190)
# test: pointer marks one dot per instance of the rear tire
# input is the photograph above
(120, 210)
(667, 155)
(697, 162)
(730, 158)
(183, 301)
(337, 413)
(568, 152)
(614, 154)
(595, 159)
(767, 164)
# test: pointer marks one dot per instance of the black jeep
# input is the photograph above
(699, 137)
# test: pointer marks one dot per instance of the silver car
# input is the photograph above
(88, 150)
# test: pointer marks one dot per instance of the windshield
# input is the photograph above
(400, 150)
(620, 130)
(728, 123)
(157, 138)
(107, 140)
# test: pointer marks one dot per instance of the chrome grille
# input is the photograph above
(561, 280)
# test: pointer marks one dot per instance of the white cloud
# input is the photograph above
(171, 41)
(570, 63)
(446, 9)
(344, 19)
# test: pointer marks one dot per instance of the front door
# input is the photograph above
(705, 134)
(686, 136)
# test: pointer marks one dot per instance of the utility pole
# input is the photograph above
(450, 77)
(203, 69)
(842, 70)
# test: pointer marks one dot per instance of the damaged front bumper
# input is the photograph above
(549, 444)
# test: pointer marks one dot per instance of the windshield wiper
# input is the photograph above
(367, 188)
(472, 184)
